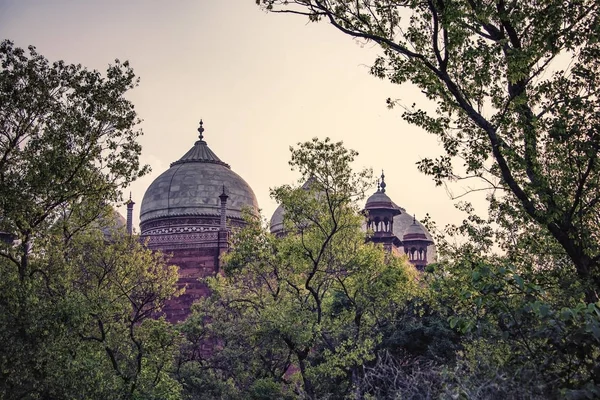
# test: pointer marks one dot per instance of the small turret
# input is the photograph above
(380, 212)
(415, 243)
(223, 221)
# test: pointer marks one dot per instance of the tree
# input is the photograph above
(76, 295)
(515, 88)
(520, 313)
(83, 325)
(302, 313)
(68, 138)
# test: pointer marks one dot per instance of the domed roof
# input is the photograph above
(276, 223)
(192, 185)
(112, 221)
(415, 232)
(378, 200)
(404, 222)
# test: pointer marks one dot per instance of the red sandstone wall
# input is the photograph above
(194, 264)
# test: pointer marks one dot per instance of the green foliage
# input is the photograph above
(516, 108)
(68, 136)
(420, 333)
(300, 314)
(76, 294)
(530, 322)
(514, 85)
(81, 324)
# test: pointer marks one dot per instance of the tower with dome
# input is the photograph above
(188, 211)
(398, 231)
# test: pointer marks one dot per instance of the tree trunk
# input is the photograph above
(308, 387)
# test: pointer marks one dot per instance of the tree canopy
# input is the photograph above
(515, 88)
(77, 295)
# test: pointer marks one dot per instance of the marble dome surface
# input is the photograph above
(192, 185)
(276, 222)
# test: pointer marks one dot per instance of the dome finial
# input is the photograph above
(201, 131)
(383, 185)
(414, 219)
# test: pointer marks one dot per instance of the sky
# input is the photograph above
(260, 82)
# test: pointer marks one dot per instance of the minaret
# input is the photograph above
(130, 205)
(223, 232)
(223, 221)
(380, 213)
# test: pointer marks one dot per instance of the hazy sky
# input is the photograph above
(261, 82)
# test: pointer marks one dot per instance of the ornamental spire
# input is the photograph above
(201, 131)
(383, 185)
(224, 194)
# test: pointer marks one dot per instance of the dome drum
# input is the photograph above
(184, 232)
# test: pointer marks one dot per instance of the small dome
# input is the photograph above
(276, 223)
(415, 232)
(120, 220)
(191, 187)
(403, 222)
(113, 220)
(379, 200)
